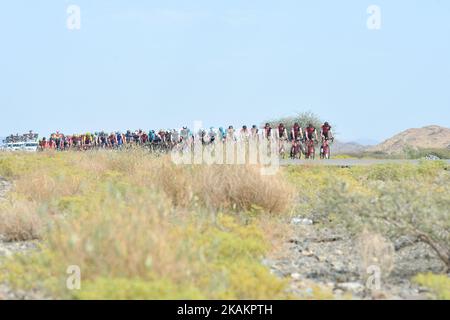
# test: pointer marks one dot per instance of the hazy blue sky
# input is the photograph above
(151, 64)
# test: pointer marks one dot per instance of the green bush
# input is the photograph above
(393, 200)
(438, 284)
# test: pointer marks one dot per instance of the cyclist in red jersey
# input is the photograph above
(325, 135)
(283, 138)
(282, 132)
(267, 131)
(325, 132)
(43, 144)
(310, 132)
(296, 132)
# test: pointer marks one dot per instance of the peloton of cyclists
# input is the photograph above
(167, 139)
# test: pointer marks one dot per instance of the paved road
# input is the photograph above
(350, 162)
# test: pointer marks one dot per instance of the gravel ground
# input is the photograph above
(329, 258)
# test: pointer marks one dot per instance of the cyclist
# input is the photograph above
(296, 132)
(162, 135)
(184, 134)
(254, 131)
(311, 138)
(128, 136)
(296, 137)
(204, 136)
(267, 131)
(151, 135)
(175, 136)
(231, 136)
(282, 132)
(283, 137)
(119, 139)
(212, 135)
(222, 134)
(244, 134)
(103, 140)
(112, 140)
(43, 144)
(310, 133)
(325, 132)
(137, 137)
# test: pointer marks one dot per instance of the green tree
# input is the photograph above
(303, 118)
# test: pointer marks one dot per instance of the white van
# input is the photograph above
(15, 146)
(27, 142)
(31, 146)
(21, 146)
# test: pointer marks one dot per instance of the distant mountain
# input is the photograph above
(339, 147)
(366, 142)
(429, 137)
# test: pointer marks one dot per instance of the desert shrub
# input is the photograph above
(217, 187)
(241, 188)
(391, 172)
(397, 172)
(303, 118)
(438, 284)
(132, 221)
(13, 164)
(345, 156)
(408, 207)
(19, 221)
(47, 178)
(313, 185)
(392, 200)
(144, 250)
(422, 153)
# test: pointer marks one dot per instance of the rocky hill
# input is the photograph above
(429, 137)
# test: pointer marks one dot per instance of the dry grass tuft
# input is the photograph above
(242, 188)
(19, 221)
